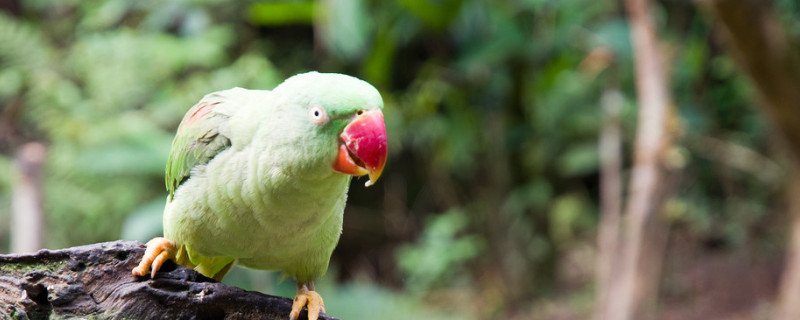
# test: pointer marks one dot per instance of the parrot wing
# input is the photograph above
(202, 134)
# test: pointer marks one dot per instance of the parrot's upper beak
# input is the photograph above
(362, 146)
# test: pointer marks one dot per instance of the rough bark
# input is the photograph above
(95, 281)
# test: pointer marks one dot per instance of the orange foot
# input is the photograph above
(158, 251)
(306, 296)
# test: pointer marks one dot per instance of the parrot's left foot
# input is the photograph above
(309, 297)
(158, 251)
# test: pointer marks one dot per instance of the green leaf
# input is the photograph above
(344, 27)
(579, 159)
(278, 13)
(569, 214)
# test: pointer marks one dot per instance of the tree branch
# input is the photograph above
(95, 281)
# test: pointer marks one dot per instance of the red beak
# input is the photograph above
(362, 147)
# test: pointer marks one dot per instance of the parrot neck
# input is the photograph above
(300, 189)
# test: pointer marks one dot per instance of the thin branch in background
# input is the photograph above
(642, 233)
(26, 205)
(739, 157)
(608, 233)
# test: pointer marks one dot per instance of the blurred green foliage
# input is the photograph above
(104, 96)
(492, 111)
(439, 254)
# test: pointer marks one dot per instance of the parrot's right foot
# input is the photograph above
(307, 297)
(158, 251)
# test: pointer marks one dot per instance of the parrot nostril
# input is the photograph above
(359, 112)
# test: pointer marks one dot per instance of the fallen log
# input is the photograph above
(95, 281)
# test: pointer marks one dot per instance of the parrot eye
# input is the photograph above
(317, 114)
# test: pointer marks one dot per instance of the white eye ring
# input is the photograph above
(317, 114)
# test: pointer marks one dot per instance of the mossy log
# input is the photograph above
(95, 281)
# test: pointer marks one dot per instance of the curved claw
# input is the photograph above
(306, 297)
(158, 251)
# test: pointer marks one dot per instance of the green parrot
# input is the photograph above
(260, 178)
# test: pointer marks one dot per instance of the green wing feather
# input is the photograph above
(200, 137)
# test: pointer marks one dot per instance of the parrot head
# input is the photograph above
(341, 120)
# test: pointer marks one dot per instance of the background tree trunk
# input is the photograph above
(789, 296)
(27, 214)
(95, 281)
(753, 34)
(634, 277)
(608, 235)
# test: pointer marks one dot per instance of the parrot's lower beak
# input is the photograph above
(362, 146)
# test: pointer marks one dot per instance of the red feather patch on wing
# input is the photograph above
(198, 113)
